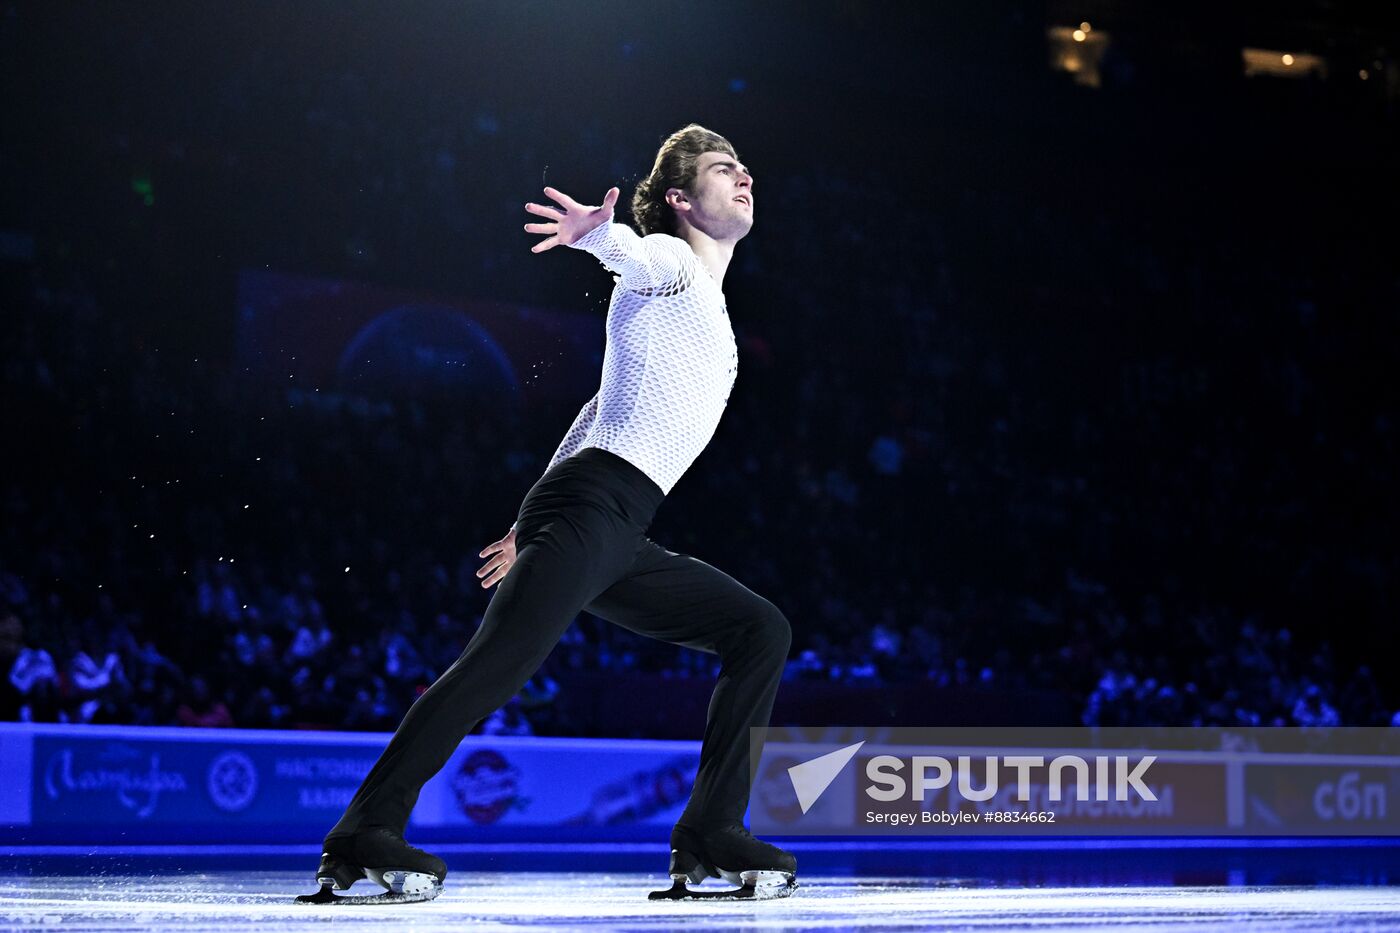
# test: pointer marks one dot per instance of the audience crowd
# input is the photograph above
(1001, 437)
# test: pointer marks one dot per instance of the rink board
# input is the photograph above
(119, 785)
(106, 784)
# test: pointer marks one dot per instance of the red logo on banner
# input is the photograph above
(486, 786)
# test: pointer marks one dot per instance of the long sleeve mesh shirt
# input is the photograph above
(670, 359)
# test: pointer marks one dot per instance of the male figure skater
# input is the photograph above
(579, 541)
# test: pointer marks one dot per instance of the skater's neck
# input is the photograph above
(715, 254)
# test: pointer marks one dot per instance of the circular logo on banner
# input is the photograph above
(233, 781)
(485, 786)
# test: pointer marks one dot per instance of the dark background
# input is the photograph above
(1056, 402)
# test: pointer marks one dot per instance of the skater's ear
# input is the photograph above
(677, 199)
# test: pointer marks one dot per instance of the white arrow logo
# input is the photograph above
(811, 778)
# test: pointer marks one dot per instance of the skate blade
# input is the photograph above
(403, 887)
(752, 885)
(414, 884)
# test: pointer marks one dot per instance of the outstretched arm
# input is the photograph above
(646, 264)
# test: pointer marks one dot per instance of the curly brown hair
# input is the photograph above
(674, 168)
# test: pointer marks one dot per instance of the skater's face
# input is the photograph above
(720, 200)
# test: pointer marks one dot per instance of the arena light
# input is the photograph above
(1277, 63)
(1077, 51)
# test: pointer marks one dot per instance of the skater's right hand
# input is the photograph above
(499, 565)
(571, 224)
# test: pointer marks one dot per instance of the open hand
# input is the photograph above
(570, 224)
(502, 554)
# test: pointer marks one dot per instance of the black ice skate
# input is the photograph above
(757, 869)
(407, 874)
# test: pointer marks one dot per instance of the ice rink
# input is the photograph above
(1117, 886)
(592, 901)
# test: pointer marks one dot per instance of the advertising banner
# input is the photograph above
(110, 784)
(125, 785)
(334, 335)
(1075, 782)
(565, 783)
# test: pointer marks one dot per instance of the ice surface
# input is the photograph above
(598, 901)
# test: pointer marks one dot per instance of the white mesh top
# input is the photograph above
(670, 359)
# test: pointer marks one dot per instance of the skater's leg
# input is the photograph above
(686, 601)
(559, 568)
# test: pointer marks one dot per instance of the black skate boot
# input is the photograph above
(758, 869)
(407, 874)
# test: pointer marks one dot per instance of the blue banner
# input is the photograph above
(111, 784)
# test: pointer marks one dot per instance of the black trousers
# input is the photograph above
(581, 544)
